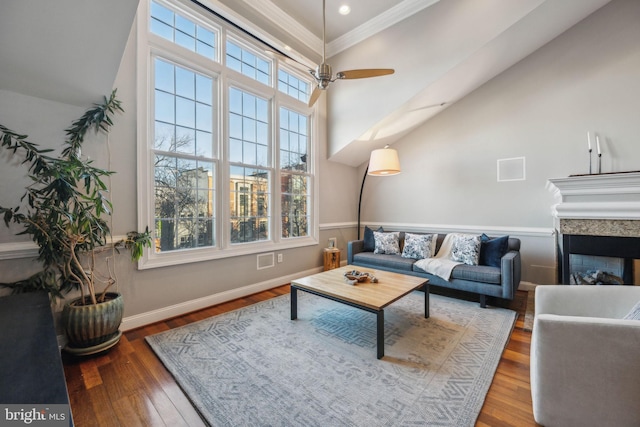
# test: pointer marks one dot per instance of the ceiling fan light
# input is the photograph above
(384, 161)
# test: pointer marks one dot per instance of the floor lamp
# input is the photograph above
(383, 162)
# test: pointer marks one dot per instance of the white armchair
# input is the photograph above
(585, 360)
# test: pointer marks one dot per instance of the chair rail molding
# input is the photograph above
(17, 250)
(452, 228)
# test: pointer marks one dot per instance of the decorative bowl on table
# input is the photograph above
(354, 276)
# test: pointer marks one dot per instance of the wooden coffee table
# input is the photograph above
(372, 297)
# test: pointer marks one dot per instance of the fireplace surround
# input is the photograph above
(598, 215)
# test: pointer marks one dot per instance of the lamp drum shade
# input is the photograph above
(384, 161)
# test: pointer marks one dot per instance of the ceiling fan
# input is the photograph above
(323, 73)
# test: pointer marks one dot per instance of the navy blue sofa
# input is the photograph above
(483, 280)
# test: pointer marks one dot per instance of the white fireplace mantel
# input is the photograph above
(602, 196)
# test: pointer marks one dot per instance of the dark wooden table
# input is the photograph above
(31, 372)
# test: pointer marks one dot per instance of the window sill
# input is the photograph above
(187, 256)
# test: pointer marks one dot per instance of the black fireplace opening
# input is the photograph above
(626, 248)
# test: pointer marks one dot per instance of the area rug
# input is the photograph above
(256, 367)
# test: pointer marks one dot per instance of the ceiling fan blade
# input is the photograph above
(364, 73)
(314, 96)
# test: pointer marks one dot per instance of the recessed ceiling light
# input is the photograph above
(287, 48)
(344, 9)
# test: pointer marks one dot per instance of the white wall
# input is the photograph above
(44, 122)
(588, 79)
(440, 55)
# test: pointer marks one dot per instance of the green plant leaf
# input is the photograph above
(65, 201)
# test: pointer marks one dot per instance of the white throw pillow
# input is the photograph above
(466, 249)
(387, 243)
(418, 246)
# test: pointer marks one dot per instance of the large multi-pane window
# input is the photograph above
(229, 145)
(249, 176)
(294, 193)
(184, 167)
(182, 31)
(293, 86)
(248, 63)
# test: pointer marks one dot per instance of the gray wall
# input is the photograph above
(166, 290)
(587, 79)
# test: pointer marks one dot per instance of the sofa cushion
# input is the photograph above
(387, 243)
(384, 261)
(477, 273)
(466, 248)
(492, 250)
(418, 246)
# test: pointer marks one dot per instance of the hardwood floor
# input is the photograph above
(129, 386)
(508, 402)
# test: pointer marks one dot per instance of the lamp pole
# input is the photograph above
(364, 178)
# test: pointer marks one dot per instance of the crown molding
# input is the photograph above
(386, 19)
(255, 30)
(285, 22)
(381, 22)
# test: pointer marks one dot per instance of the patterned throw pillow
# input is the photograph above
(634, 314)
(418, 246)
(466, 249)
(387, 243)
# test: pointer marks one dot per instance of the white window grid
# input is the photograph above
(150, 46)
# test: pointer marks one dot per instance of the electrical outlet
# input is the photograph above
(280, 258)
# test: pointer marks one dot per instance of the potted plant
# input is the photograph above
(65, 215)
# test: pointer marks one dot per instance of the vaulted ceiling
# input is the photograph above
(65, 50)
(70, 50)
(441, 50)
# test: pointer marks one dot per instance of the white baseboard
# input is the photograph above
(142, 319)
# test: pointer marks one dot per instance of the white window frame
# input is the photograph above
(151, 46)
(295, 73)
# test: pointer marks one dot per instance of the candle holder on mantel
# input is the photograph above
(599, 163)
(599, 153)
